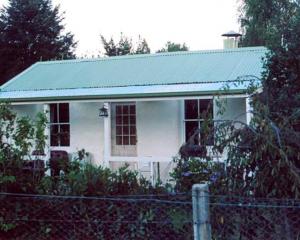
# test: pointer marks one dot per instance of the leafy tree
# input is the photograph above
(30, 31)
(110, 47)
(173, 47)
(266, 22)
(142, 47)
(278, 120)
(124, 46)
(263, 158)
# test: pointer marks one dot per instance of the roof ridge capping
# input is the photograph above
(164, 54)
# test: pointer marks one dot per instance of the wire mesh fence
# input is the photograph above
(239, 218)
(126, 217)
(145, 217)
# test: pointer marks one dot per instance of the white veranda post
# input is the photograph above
(249, 110)
(107, 135)
(46, 109)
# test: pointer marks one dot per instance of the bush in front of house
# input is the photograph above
(199, 170)
(19, 136)
(116, 208)
(85, 179)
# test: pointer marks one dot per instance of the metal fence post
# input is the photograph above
(202, 228)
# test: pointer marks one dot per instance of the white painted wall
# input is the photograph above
(159, 126)
(158, 132)
(235, 109)
(85, 125)
(28, 110)
(87, 130)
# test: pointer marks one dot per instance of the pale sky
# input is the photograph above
(198, 23)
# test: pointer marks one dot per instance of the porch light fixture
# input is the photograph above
(103, 112)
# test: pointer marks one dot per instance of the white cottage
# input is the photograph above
(149, 104)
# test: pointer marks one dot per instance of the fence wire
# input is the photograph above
(129, 217)
(144, 217)
(237, 218)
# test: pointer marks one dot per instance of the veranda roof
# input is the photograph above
(189, 73)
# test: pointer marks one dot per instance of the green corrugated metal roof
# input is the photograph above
(141, 70)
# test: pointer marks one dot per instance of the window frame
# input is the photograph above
(131, 136)
(60, 124)
(198, 120)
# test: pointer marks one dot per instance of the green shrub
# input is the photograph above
(19, 136)
(85, 179)
(197, 170)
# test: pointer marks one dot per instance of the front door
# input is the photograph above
(123, 129)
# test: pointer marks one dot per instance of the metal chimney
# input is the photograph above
(231, 39)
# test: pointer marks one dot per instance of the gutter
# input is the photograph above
(121, 93)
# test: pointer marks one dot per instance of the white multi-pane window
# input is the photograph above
(59, 125)
(125, 124)
(197, 112)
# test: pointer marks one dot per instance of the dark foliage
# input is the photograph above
(266, 22)
(131, 217)
(262, 158)
(31, 31)
(276, 121)
(18, 137)
(173, 47)
(124, 46)
(142, 47)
